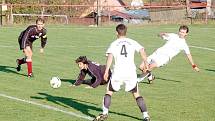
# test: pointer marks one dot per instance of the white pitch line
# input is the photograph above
(46, 106)
(204, 48)
(90, 46)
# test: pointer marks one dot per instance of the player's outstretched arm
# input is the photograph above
(43, 43)
(194, 66)
(108, 64)
(144, 65)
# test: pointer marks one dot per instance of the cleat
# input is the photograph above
(151, 78)
(18, 68)
(30, 75)
(146, 119)
(101, 117)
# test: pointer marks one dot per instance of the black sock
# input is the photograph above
(22, 61)
(107, 101)
(141, 104)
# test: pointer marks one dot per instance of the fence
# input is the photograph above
(87, 14)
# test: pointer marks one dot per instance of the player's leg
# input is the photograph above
(28, 53)
(141, 103)
(20, 61)
(105, 104)
(150, 76)
(152, 64)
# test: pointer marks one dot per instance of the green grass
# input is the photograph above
(178, 93)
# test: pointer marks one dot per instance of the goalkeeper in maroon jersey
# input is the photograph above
(94, 70)
(26, 39)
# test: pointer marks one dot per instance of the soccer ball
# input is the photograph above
(55, 82)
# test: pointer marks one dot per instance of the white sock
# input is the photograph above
(150, 77)
(145, 114)
(105, 110)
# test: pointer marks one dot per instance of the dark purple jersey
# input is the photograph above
(28, 36)
(95, 71)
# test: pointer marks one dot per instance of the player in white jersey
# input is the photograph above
(174, 45)
(124, 71)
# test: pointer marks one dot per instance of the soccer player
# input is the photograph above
(94, 70)
(26, 39)
(174, 44)
(124, 71)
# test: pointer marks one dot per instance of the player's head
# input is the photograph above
(40, 23)
(82, 62)
(183, 31)
(184, 27)
(121, 30)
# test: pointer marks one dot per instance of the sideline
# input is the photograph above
(204, 48)
(96, 46)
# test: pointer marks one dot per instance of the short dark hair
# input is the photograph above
(40, 19)
(82, 59)
(121, 29)
(184, 27)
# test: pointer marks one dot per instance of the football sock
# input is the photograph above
(21, 61)
(106, 103)
(141, 104)
(145, 114)
(29, 65)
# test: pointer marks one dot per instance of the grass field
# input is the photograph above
(177, 94)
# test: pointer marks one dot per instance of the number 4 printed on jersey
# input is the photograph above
(123, 51)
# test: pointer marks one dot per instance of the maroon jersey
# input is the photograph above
(28, 36)
(95, 71)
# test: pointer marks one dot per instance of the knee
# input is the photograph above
(110, 93)
(136, 95)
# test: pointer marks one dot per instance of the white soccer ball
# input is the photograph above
(55, 82)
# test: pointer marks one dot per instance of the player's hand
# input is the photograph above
(88, 87)
(41, 50)
(106, 76)
(196, 69)
(161, 34)
(144, 67)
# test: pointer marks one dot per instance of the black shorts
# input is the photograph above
(27, 43)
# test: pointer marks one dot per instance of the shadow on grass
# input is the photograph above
(212, 70)
(72, 81)
(170, 80)
(80, 105)
(163, 79)
(9, 69)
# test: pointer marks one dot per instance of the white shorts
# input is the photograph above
(159, 59)
(129, 84)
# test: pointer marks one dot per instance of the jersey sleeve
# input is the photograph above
(110, 49)
(137, 46)
(186, 48)
(80, 78)
(168, 36)
(44, 38)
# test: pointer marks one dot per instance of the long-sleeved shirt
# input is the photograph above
(95, 71)
(29, 35)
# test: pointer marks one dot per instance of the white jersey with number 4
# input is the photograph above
(123, 50)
